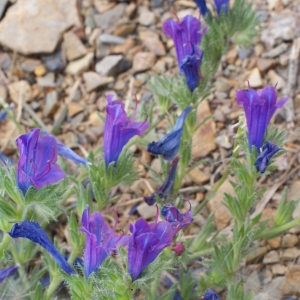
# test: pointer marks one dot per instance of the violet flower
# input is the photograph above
(165, 191)
(101, 240)
(268, 151)
(222, 4)
(169, 145)
(211, 295)
(178, 248)
(67, 152)
(145, 243)
(259, 107)
(177, 219)
(35, 233)
(37, 164)
(8, 272)
(187, 36)
(202, 7)
(119, 129)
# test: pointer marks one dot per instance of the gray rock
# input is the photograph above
(93, 80)
(46, 81)
(37, 26)
(147, 18)
(29, 64)
(110, 39)
(3, 4)
(55, 61)
(73, 46)
(5, 61)
(20, 90)
(275, 51)
(244, 53)
(78, 66)
(51, 104)
(108, 65)
(143, 61)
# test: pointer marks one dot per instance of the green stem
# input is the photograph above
(5, 243)
(55, 281)
(154, 287)
(201, 253)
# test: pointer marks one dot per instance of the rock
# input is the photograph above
(108, 65)
(20, 90)
(293, 194)
(255, 78)
(198, 176)
(275, 51)
(95, 120)
(146, 211)
(143, 61)
(73, 46)
(124, 29)
(108, 19)
(223, 85)
(289, 240)
(151, 41)
(271, 257)
(204, 137)
(278, 269)
(231, 55)
(146, 18)
(5, 61)
(51, 104)
(256, 254)
(93, 81)
(76, 67)
(40, 70)
(273, 4)
(276, 79)
(291, 283)
(37, 26)
(46, 81)
(157, 3)
(29, 64)
(244, 53)
(265, 64)
(275, 242)
(222, 216)
(111, 39)
(252, 282)
(284, 25)
(224, 141)
(3, 92)
(102, 50)
(3, 4)
(55, 61)
(123, 49)
(291, 253)
(74, 108)
(274, 290)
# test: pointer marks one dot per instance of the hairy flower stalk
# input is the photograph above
(119, 129)
(187, 35)
(37, 164)
(259, 107)
(169, 145)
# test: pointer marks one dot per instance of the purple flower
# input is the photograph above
(67, 152)
(168, 146)
(37, 164)
(7, 272)
(146, 243)
(202, 7)
(176, 219)
(35, 233)
(166, 189)
(187, 36)
(119, 129)
(101, 240)
(222, 4)
(178, 248)
(259, 107)
(211, 295)
(268, 151)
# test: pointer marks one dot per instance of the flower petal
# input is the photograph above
(8, 272)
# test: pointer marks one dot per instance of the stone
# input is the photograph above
(256, 254)
(198, 176)
(231, 55)
(265, 64)
(289, 240)
(275, 289)
(223, 85)
(51, 104)
(37, 26)
(46, 81)
(146, 211)
(291, 253)
(273, 4)
(271, 257)
(108, 19)
(80, 65)
(204, 137)
(224, 141)
(108, 65)
(3, 4)
(150, 40)
(276, 80)
(274, 52)
(95, 120)
(215, 205)
(244, 53)
(146, 18)
(73, 46)
(275, 242)
(5, 61)
(252, 282)
(284, 25)
(291, 283)
(111, 39)
(3, 92)
(20, 90)
(74, 108)
(143, 61)
(40, 70)
(278, 269)
(255, 78)
(93, 81)
(124, 29)
(55, 61)
(293, 194)
(29, 64)
(124, 48)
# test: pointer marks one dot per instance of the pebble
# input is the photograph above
(5, 61)
(73, 46)
(244, 53)
(124, 48)
(51, 104)
(231, 55)
(223, 85)
(95, 120)
(3, 92)
(150, 40)
(30, 23)
(77, 67)
(46, 81)
(265, 64)
(124, 29)
(29, 64)
(74, 108)
(275, 242)
(93, 80)
(108, 65)
(276, 79)
(111, 39)
(143, 61)
(256, 254)
(289, 240)
(55, 61)
(40, 70)
(146, 211)
(224, 141)
(271, 257)
(20, 90)
(3, 4)
(291, 283)
(291, 253)
(146, 18)
(278, 269)
(198, 176)
(276, 51)
(255, 78)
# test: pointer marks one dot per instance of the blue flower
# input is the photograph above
(165, 191)
(7, 272)
(222, 4)
(202, 7)
(268, 151)
(168, 146)
(35, 233)
(259, 107)
(211, 295)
